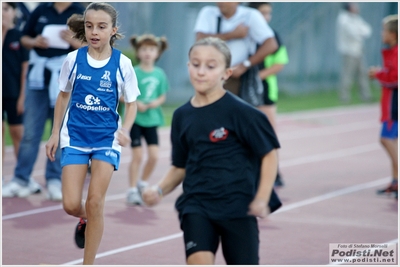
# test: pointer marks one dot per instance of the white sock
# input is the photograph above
(133, 189)
(143, 184)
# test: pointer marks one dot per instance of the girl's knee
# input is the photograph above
(153, 159)
(137, 157)
(72, 208)
(94, 205)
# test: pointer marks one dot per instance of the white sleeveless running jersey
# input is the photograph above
(92, 121)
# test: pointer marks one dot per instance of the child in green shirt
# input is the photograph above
(153, 85)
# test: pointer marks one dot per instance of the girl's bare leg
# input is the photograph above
(100, 180)
(151, 162)
(73, 179)
(201, 258)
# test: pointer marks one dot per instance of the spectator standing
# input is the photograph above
(351, 32)
(41, 92)
(269, 68)
(15, 59)
(242, 28)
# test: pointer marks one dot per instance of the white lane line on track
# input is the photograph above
(284, 163)
(51, 208)
(329, 112)
(127, 248)
(285, 208)
(348, 260)
(330, 155)
(327, 130)
(31, 212)
(333, 194)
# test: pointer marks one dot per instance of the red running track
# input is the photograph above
(331, 162)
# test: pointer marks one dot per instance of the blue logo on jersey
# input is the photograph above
(105, 79)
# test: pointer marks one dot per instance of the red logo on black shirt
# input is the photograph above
(14, 46)
(219, 134)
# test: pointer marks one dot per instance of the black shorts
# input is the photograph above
(267, 100)
(10, 111)
(239, 237)
(149, 134)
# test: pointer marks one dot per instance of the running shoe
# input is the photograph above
(54, 191)
(142, 185)
(392, 188)
(80, 233)
(14, 189)
(34, 186)
(134, 197)
(278, 180)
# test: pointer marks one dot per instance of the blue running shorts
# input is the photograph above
(390, 130)
(71, 156)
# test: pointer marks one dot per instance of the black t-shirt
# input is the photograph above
(220, 146)
(46, 14)
(14, 54)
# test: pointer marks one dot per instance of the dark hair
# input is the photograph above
(76, 22)
(219, 44)
(256, 5)
(11, 4)
(149, 39)
(346, 6)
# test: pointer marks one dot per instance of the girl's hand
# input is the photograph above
(124, 138)
(142, 107)
(51, 147)
(258, 208)
(20, 105)
(151, 195)
(150, 105)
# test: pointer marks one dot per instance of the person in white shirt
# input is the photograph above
(351, 31)
(243, 29)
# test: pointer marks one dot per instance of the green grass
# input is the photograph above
(286, 103)
(325, 99)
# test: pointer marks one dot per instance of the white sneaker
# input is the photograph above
(34, 186)
(14, 189)
(142, 185)
(133, 197)
(54, 192)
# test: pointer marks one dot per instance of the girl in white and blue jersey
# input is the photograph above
(86, 122)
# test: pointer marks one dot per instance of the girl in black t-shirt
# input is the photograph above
(224, 152)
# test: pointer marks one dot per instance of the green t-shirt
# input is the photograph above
(279, 57)
(152, 85)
